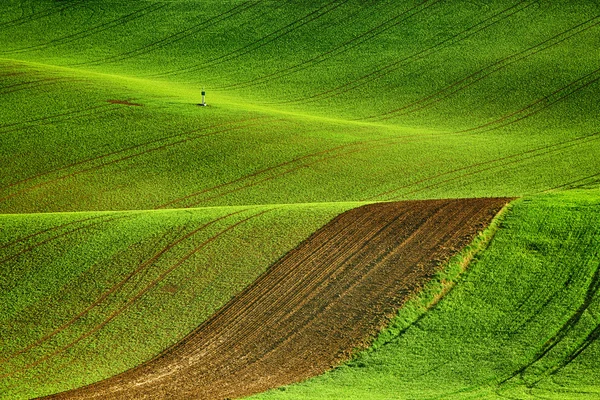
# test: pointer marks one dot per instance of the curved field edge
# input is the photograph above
(308, 312)
(521, 323)
(88, 295)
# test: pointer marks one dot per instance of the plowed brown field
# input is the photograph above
(312, 308)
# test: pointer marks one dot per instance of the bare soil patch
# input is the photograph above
(125, 103)
(312, 308)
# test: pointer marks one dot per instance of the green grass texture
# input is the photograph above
(88, 295)
(308, 101)
(521, 323)
(314, 107)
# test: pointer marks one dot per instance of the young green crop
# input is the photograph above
(318, 102)
(88, 295)
(522, 322)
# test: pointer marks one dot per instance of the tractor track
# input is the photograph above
(60, 117)
(91, 31)
(133, 299)
(170, 39)
(538, 105)
(391, 67)
(60, 235)
(40, 14)
(345, 46)
(115, 288)
(313, 307)
(535, 152)
(263, 41)
(181, 138)
(471, 79)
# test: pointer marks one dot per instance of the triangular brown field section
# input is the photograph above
(313, 307)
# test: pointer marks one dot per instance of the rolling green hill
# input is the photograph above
(313, 108)
(521, 323)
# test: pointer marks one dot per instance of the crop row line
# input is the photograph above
(32, 235)
(295, 293)
(93, 30)
(473, 78)
(564, 144)
(564, 330)
(385, 70)
(137, 296)
(119, 285)
(173, 38)
(41, 14)
(513, 160)
(263, 41)
(281, 169)
(61, 117)
(138, 150)
(538, 105)
(343, 47)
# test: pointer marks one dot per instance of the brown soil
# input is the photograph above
(124, 102)
(312, 308)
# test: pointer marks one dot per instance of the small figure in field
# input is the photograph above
(203, 104)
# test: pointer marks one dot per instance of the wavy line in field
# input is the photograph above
(572, 184)
(263, 41)
(422, 54)
(132, 300)
(536, 151)
(538, 105)
(382, 71)
(313, 307)
(345, 46)
(119, 285)
(513, 162)
(471, 79)
(563, 332)
(41, 14)
(93, 30)
(277, 171)
(183, 138)
(170, 39)
(27, 237)
(48, 240)
(61, 117)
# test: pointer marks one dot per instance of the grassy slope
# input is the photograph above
(309, 102)
(87, 295)
(527, 87)
(522, 322)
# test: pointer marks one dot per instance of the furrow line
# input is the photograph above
(170, 39)
(144, 265)
(345, 46)
(388, 68)
(576, 140)
(134, 299)
(92, 31)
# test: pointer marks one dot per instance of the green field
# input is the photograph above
(313, 108)
(521, 323)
